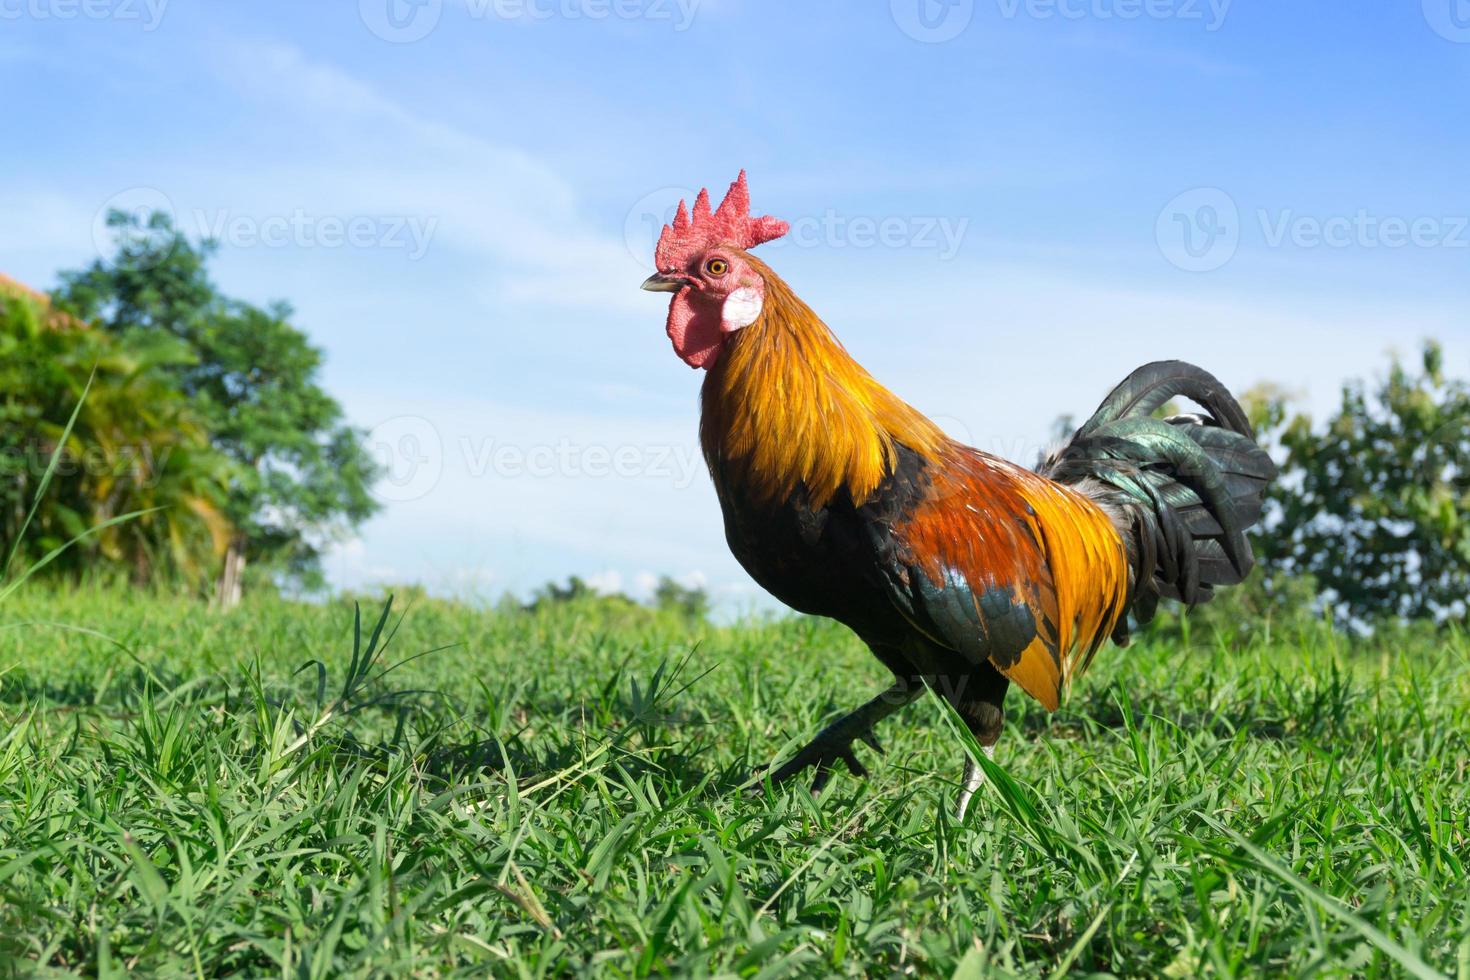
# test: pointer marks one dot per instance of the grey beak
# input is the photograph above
(660, 283)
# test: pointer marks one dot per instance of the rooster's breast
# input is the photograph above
(827, 559)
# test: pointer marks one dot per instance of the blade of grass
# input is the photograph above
(1271, 864)
(59, 550)
(46, 477)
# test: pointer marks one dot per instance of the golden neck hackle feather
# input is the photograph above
(787, 405)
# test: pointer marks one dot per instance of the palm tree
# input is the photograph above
(136, 445)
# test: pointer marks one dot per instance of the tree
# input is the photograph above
(303, 476)
(578, 594)
(690, 602)
(1376, 505)
(137, 445)
(551, 594)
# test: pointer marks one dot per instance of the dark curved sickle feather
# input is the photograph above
(1184, 490)
(1150, 387)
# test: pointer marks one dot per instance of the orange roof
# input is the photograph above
(54, 319)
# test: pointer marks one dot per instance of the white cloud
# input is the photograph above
(606, 582)
(487, 199)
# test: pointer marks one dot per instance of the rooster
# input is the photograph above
(962, 572)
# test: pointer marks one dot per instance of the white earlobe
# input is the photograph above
(741, 309)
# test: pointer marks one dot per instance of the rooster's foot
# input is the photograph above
(823, 752)
(835, 742)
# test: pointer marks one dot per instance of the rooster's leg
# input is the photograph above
(834, 742)
(982, 706)
(973, 778)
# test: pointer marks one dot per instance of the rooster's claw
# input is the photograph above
(824, 751)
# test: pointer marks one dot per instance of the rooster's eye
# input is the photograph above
(716, 267)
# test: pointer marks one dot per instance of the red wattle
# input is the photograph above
(694, 327)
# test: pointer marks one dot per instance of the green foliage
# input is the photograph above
(1262, 608)
(1375, 504)
(688, 601)
(552, 594)
(688, 604)
(302, 476)
(136, 445)
(551, 795)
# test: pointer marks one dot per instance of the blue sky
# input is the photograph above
(1002, 207)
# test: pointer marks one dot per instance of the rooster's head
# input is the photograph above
(701, 260)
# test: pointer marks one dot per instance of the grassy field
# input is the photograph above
(188, 793)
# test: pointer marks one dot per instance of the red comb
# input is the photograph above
(730, 224)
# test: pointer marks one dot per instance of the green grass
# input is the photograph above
(188, 793)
